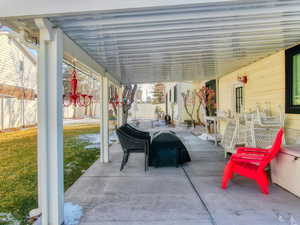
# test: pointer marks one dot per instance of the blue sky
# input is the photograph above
(4, 28)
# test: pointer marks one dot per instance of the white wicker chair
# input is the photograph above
(251, 129)
(264, 127)
(237, 133)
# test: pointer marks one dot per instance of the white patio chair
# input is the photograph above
(264, 127)
(237, 133)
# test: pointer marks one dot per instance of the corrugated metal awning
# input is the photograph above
(184, 42)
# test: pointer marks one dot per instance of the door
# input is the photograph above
(239, 99)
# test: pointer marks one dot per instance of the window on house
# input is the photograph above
(20, 66)
(296, 80)
(175, 94)
(238, 99)
(167, 104)
(292, 75)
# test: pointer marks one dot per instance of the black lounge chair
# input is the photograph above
(133, 141)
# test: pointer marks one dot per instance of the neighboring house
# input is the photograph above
(18, 68)
(174, 101)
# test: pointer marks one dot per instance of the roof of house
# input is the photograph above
(29, 52)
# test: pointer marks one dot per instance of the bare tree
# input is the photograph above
(189, 100)
(207, 98)
(113, 99)
(128, 99)
(201, 94)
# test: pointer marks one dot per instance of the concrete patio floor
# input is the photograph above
(190, 195)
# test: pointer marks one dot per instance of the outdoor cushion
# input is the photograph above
(167, 150)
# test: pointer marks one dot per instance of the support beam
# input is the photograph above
(50, 124)
(120, 114)
(104, 151)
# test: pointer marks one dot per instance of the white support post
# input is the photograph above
(50, 124)
(104, 151)
(100, 117)
(120, 114)
(2, 113)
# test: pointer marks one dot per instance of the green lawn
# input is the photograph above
(18, 166)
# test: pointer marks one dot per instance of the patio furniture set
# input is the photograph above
(162, 148)
(257, 129)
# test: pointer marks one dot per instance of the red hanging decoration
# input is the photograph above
(75, 98)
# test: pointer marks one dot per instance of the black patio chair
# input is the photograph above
(136, 132)
(132, 144)
(132, 131)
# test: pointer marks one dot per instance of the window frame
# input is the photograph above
(233, 97)
(239, 98)
(289, 107)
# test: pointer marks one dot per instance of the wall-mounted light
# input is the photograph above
(243, 79)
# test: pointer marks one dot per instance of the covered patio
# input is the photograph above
(130, 42)
(188, 195)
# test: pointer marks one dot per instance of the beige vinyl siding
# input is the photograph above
(266, 84)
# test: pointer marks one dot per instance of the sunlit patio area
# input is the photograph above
(188, 195)
(193, 111)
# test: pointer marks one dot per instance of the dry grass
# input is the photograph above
(18, 166)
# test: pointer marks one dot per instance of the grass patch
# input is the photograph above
(18, 166)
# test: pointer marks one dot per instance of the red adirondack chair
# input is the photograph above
(251, 163)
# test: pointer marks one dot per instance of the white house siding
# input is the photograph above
(179, 113)
(12, 72)
(145, 111)
(10, 57)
